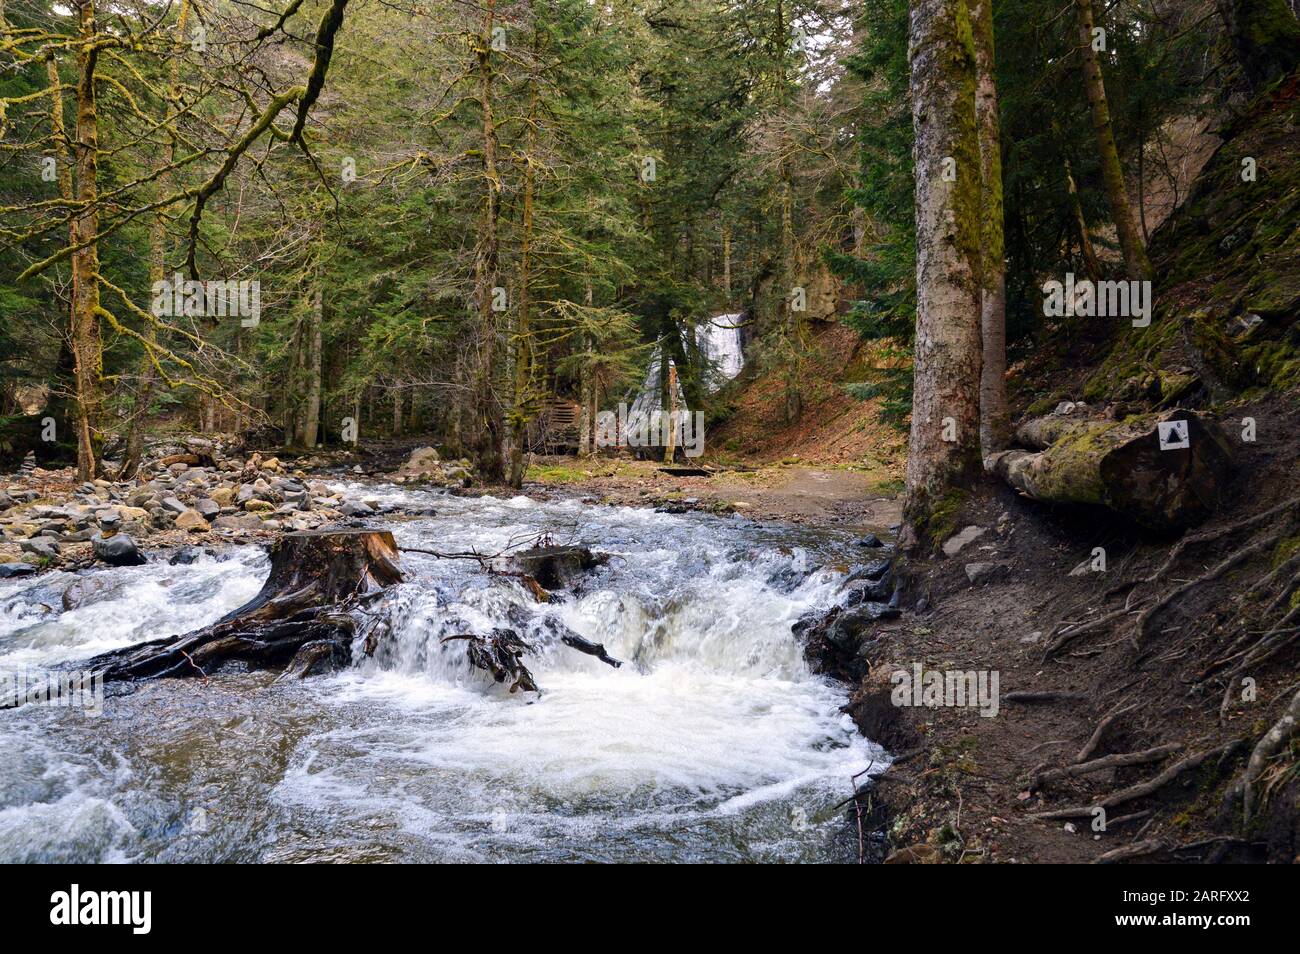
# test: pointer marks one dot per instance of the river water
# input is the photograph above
(713, 742)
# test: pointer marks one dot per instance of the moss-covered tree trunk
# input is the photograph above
(1136, 263)
(1265, 37)
(521, 341)
(943, 451)
(994, 417)
(310, 432)
(86, 346)
(134, 445)
(487, 423)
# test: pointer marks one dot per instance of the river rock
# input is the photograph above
(88, 589)
(192, 521)
(208, 508)
(42, 547)
(257, 505)
(959, 540)
(11, 570)
(224, 496)
(117, 550)
(423, 463)
(174, 505)
(245, 521)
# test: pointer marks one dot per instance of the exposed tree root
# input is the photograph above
(1119, 760)
(1272, 742)
(1138, 849)
(500, 655)
(1142, 789)
(1143, 625)
(1095, 739)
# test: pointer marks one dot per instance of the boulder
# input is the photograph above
(192, 521)
(116, 550)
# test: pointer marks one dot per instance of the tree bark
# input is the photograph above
(1136, 263)
(311, 409)
(995, 422)
(1265, 38)
(86, 347)
(943, 449)
(1120, 465)
(134, 447)
(522, 340)
(488, 429)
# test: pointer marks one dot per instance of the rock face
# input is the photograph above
(840, 642)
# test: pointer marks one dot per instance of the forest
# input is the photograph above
(821, 356)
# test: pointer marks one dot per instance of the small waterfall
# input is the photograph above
(707, 744)
(719, 342)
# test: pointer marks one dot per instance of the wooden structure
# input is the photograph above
(556, 429)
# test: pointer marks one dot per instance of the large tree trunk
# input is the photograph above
(995, 422)
(943, 451)
(311, 410)
(301, 616)
(1120, 465)
(1136, 263)
(487, 424)
(86, 347)
(522, 340)
(157, 271)
(1265, 37)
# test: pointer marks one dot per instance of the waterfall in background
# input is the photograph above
(719, 341)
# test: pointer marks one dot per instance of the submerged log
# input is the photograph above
(1122, 465)
(302, 616)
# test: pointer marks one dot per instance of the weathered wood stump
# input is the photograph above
(555, 568)
(1122, 465)
(302, 616)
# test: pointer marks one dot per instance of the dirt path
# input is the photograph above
(824, 496)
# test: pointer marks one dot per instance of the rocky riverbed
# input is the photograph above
(49, 519)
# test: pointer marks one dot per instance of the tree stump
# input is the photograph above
(1123, 466)
(302, 616)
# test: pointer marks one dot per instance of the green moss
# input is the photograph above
(1275, 364)
(939, 521)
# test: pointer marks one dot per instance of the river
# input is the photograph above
(712, 743)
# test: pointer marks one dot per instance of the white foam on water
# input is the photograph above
(700, 747)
